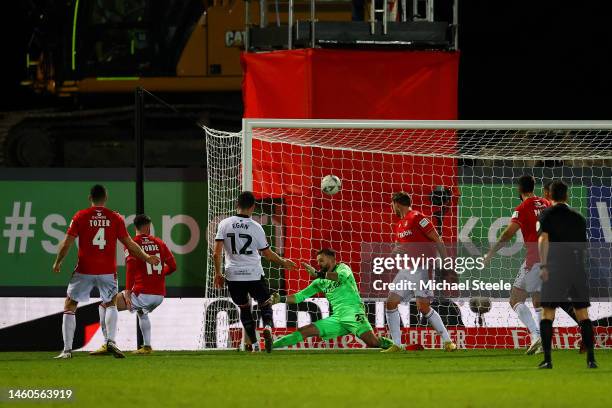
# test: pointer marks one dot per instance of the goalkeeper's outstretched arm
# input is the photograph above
(298, 297)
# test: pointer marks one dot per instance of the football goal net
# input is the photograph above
(461, 175)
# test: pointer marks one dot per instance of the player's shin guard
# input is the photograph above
(586, 330)
(394, 323)
(436, 322)
(102, 313)
(289, 340)
(145, 327)
(111, 322)
(246, 317)
(68, 327)
(546, 332)
(525, 316)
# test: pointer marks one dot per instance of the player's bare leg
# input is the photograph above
(394, 322)
(434, 319)
(517, 302)
(372, 340)
(68, 327)
(297, 336)
(111, 327)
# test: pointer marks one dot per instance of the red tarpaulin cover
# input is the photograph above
(342, 84)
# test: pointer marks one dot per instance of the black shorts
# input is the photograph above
(240, 291)
(571, 290)
(575, 305)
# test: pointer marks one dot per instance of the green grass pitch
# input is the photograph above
(484, 378)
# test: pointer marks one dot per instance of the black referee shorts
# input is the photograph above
(241, 290)
(564, 290)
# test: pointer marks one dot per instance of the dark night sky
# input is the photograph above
(519, 61)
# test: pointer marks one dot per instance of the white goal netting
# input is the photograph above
(461, 175)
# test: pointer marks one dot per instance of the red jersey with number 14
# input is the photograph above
(98, 230)
(526, 216)
(142, 277)
(413, 228)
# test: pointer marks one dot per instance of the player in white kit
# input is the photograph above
(242, 239)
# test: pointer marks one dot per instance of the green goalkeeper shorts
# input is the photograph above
(336, 326)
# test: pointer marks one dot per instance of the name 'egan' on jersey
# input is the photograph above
(242, 238)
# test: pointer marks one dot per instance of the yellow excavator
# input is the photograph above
(88, 56)
(183, 46)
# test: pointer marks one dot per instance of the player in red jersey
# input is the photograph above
(414, 229)
(98, 230)
(145, 284)
(528, 282)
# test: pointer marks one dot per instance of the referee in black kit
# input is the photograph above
(562, 244)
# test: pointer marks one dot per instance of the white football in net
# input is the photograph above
(330, 184)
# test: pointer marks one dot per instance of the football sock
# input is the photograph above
(436, 322)
(68, 327)
(111, 322)
(586, 330)
(524, 314)
(394, 323)
(246, 317)
(289, 340)
(102, 313)
(538, 314)
(145, 327)
(546, 332)
(266, 314)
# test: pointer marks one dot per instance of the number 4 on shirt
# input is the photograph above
(98, 239)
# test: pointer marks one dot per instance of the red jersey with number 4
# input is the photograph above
(142, 277)
(413, 228)
(526, 216)
(98, 230)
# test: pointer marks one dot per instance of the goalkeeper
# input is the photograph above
(336, 280)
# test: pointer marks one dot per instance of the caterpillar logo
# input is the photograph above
(234, 39)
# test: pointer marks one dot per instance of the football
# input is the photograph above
(330, 184)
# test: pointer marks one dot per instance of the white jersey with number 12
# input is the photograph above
(242, 238)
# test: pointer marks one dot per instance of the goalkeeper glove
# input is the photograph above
(311, 271)
(276, 298)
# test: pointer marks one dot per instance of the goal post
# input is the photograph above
(460, 174)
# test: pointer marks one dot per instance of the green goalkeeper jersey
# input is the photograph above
(343, 294)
